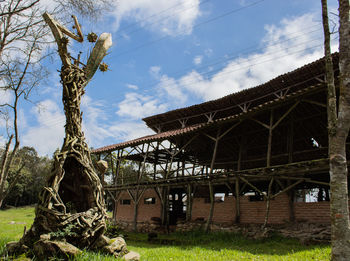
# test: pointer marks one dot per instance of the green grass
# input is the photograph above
(183, 246)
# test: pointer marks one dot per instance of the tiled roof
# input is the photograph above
(193, 128)
(297, 82)
(148, 138)
(300, 78)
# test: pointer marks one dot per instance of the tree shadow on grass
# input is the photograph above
(217, 241)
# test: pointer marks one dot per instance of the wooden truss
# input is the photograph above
(274, 148)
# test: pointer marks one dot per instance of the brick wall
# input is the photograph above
(223, 211)
(125, 212)
(255, 211)
(148, 211)
(315, 212)
(252, 212)
(145, 211)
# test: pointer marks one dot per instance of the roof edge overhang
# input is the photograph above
(195, 128)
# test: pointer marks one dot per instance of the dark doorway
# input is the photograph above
(176, 206)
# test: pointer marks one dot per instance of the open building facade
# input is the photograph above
(249, 157)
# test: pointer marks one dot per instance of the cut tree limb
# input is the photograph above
(97, 54)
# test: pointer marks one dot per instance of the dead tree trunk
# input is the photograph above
(338, 129)
(72, 202)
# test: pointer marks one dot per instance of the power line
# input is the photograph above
(240, 67)
(159, 20)
(195, 26)
(237, 54)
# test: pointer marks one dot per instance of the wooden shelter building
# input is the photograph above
(246, 157)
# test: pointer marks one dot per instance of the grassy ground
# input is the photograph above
(183, 246)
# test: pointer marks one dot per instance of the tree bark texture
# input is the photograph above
(72, 203)
(73, 196)
(338, 129)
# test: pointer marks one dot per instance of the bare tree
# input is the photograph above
(87, 8)
(23, 38)
(22, 34)
(338, 129)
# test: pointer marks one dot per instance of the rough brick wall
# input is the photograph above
(225, 212)
(145, 212)
(255, 211)
(148, 211)
(251, 212)
(125, 212)
(315, 212)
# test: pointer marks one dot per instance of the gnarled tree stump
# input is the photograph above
(71, 207)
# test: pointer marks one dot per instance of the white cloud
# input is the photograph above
(128, 130)
(208, 52)
(2, 141)
(198, 59)
(168, 88)
(136, 106)
(132, 86)
(48, 135)
(285, 47)
(155, 71)
(170, 17)
(95, 131)
(5, 96)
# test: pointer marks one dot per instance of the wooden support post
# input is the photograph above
(214, 155)
(268, 203)
(242, 152)
(136, 210)
(167, 189)
(269, 143)
(161, 198)
(183, 168)
(115, 209)
(115, 206)
(290, 194)
(115, 174)
(177, 168)
(167, 207)
(211, 211)
(212, 200)
(239, 157)
(164, 205)
(120, 174)
(137, 197)
(290, 140)
(156, 152)
(189, 201)
(238, 211)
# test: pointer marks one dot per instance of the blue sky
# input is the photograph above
(169, 54)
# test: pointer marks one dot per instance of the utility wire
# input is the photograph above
(238, 69)
(183, 31)
(234, 55)
(213, 72)
(159, 20)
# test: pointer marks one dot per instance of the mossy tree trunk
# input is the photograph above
(338, 129)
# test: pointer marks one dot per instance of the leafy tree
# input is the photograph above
(32, 178)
